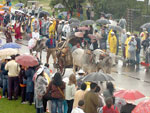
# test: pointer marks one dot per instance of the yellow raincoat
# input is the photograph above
(143, 35)
(47, 77)
(109, 35)
(127, 46)
(31, 24)
(52, 29)
(113, 44)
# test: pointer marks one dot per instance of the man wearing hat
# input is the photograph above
(66, 29)
(13, 69)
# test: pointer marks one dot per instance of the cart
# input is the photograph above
(64, 55)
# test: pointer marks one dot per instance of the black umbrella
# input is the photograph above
(116, 28)
(146, 25)
(74, 20)
(102, 21)
(97, 76)
(74, 24)
(108, 15)
(19, 5)
(87, 22)
(44, 13)
(59, 6)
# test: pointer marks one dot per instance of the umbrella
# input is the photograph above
(84, 28)
(136, 102)
(119, 102)
(59, 6)
(146, 25)
(7, 52)
(97, 76)
(5, 8)
(19, 5)
(74, 24)
(116, 28)
(44, 13)
(91, 36)
(20, 11)
(130, 95)
(27, 60)
(74, 20)
(102, 21)
(87, 22)
(108, 15)
(11, 45)
(79, 34)
(142, 107)
(2, 12)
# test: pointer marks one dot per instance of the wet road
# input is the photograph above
(126, 77)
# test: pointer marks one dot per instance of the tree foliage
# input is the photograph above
(70, 5)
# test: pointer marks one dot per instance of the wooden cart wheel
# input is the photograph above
(61, 66)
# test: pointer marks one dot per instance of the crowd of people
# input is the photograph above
(50, 91)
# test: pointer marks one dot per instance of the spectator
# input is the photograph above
(30, 85)
(91, 104)
(88, 13)
(138, 49)
(57, 87)
(17, 28)
(79, 95)
(5, 77)
(109, 91)
(13, 80)
(132, 50)
(123, 39)
(103, 39)
(22, 83)
(70, 92)
(101, 99)
(7, 34)
(109, 107)
(40, 90)
(80, 107)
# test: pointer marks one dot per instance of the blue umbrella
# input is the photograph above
(19, 5)
(10, 45)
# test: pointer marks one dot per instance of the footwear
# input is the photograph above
(24, 102)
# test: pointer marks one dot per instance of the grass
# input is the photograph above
(13, 106)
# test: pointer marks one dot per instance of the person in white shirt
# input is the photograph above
(33, 41)
(66, 29)
(70, 92)
(80, 107)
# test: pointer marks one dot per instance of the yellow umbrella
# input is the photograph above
(8, 52)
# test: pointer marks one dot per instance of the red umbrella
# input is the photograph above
(84, 28)
(27, 60)
(129, 94)
(79, 34)
(142, 107)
